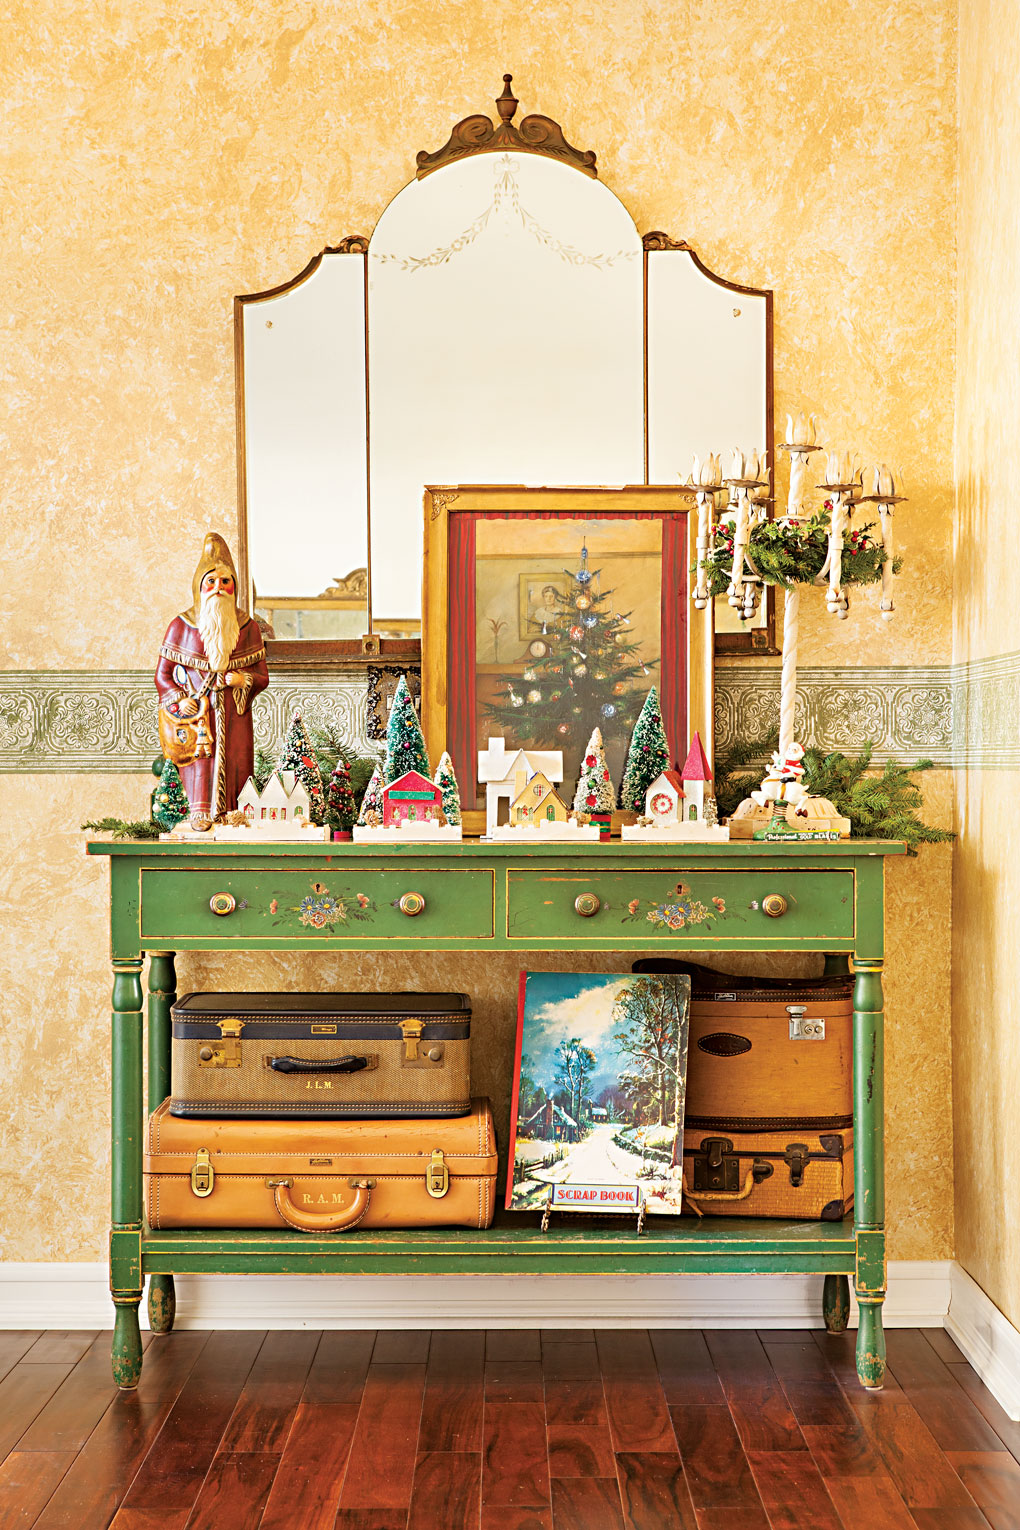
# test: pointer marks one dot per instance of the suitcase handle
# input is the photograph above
(327, 1221)
(694, 1196)
(317, 1064)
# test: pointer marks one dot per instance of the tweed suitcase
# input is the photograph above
(329, 1056)
(767, 1054)
(795, 1175)
(320, 1176)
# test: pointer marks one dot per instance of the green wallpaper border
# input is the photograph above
(965, 715)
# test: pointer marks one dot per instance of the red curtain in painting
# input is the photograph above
(461, 728)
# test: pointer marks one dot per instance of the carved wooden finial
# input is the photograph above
(477, 135)
(507, 103)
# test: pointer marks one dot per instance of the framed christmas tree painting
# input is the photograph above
(548, 613)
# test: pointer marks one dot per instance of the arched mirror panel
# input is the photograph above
(505, 346)
(505, 323)
(305, 460)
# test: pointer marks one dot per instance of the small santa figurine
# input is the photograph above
(782, 781)
(211, 664)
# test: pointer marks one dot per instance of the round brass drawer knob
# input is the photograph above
(411, 904)
(587, 904)
(223, 903)
(774, 905)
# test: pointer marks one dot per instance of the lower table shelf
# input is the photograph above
(716, 1245)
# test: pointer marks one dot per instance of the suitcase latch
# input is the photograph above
(227, 1054)
(437, 1176)
(797, 1155)
(203, 1175)
(716, 1166)
(803, 1028)
(411, 1031)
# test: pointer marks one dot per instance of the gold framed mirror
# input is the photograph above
(504, 322)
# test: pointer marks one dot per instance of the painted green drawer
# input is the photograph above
(347, 905)
(723, 908)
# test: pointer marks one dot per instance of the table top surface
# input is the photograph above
(604, 851)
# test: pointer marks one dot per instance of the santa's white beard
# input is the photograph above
(218, 625)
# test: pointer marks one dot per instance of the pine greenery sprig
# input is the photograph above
(880, 804)
(123, 828)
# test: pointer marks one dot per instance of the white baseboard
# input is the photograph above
(987, 1338)
(76, 1296)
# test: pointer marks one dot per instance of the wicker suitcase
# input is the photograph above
(320, 1176)
(794, 1175)
(340, 1056)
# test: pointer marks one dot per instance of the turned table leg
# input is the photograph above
(126, 1169)
(869, 1169)
(836, 1303)
(162, 993)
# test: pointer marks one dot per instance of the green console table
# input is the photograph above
(167, 897)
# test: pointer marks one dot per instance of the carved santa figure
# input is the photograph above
(211, 664)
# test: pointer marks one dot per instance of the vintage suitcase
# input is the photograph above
(340, 1056)
(767, 1054)
(320, 1176)
(769, 1174)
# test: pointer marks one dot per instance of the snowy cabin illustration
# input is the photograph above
(412, 798)
(550, 1123)
(538, 802)
(282, 799)
(505, 774)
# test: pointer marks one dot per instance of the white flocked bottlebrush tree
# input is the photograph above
(446, 780)
(594, 794)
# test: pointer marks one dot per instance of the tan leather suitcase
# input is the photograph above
(796, 1175)
(320, 1176)
(341, 1056)
(768, 1055)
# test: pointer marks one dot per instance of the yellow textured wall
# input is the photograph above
(160, 159)
(986, 957)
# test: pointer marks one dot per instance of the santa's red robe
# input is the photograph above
(183, 670)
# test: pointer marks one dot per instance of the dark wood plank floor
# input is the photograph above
(555, 1430)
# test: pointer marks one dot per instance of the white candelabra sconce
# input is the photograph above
(747, 509)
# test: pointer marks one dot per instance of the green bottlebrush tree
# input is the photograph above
(299, 756)
(594, 792)
(340, 809)
(446, 780)
(647, 757)
(371, 803)
(169, 800)
(405, 744)
(583, 679)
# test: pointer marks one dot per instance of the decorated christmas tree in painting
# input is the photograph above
(647, 757)
(583, 679)
(405, 745)
(371, 802)
(169, 800)
(299, 756)
(446, 780)
(340, 809)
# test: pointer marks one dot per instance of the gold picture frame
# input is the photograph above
(450, 512)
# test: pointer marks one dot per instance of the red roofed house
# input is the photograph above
(695, 773)
(664, 797)
(412, 797)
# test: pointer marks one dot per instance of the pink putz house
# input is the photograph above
(695, 774)
(411, 798)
